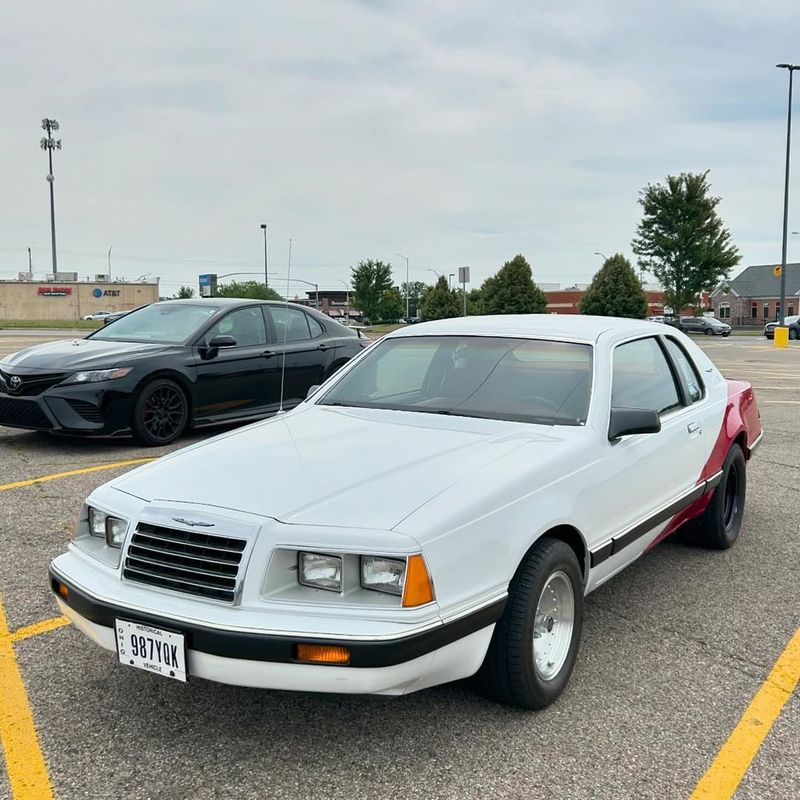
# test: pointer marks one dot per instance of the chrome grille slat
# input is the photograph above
(191, 562)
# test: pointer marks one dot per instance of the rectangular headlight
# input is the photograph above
(320, 571)
(383, 574)
(104, 526)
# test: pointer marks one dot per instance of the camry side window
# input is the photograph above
(689, 373)
(291, 324)
(246, 325)
(642, 378)
(316, 327)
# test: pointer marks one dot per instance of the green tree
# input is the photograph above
(415, 291)
(512, 290)
(370, 279)
(248, 290)
(185, 293)
(474, 303)
(440, 302)
(682, 240)
(392, 305)
(615, 291)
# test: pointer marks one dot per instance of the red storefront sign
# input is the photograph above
(55, 291)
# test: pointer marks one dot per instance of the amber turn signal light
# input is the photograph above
(418, 588)
(323, 654)
(63, 591)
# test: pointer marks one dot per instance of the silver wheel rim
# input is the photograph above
(552, 627)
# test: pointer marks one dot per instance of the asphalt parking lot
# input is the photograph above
(674, 650)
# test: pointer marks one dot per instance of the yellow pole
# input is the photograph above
(781, 336)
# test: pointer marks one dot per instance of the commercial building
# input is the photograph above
(67, 298)
(336, 303)
(567, 301)
(753, 297)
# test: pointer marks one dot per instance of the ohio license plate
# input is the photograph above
(152, 649)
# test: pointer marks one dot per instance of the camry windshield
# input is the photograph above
(521, 380)
(163, 323)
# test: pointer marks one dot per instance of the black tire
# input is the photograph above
(719, 526)
(792, 333)
(709, 332)
(509, 673)
(160, 413)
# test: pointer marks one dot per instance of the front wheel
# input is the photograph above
(792, 333)
(535, 643)
(709, 332)
(160, 413)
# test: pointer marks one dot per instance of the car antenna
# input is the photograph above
(285, 327)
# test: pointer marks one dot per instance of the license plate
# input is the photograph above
(151, 649)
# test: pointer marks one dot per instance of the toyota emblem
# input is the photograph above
(15, 383)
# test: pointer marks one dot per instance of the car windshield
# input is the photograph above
(520, 380)
(162, 323)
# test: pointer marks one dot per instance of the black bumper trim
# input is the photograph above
(281, 649)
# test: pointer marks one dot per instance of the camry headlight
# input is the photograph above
(97, 375)
(383, 574)
(320, 571)
(112, 529)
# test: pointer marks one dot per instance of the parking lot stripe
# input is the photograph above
(27, 772)
(38, 627)
(83, 471)
(732, 761)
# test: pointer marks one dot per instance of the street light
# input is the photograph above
(437, 274)
(791, 68)
(450, 280)
(266, 278)
(48, 143)
(347, 298)
(598, 253)
(407, 286)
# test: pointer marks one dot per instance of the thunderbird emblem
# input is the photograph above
(192, 523)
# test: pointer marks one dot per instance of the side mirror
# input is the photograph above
(222, 341)
(312, 389)
(627, 421)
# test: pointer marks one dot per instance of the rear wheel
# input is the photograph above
(721, 522)
(535, 643)
(709, 332)
(792, 333)
(160, 413)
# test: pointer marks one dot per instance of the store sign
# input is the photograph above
(107, 293)
(55, 291)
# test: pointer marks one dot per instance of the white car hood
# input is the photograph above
(331, 466)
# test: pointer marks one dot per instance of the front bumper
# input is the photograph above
(396, 665)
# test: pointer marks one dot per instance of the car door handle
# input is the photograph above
(693, 427)
(268, 353)
(323, 347)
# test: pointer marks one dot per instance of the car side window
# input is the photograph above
(246, 325)
(291, 324)
(642, 378)
(315, 326)
(688, 370)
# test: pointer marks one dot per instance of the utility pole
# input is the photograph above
(109, 261)
(266, 278)
(48, 143)
(791, 68)
(407, 284)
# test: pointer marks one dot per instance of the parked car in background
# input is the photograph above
(172, 365)
(657, 318)
(115, 316)
(710, 326)
(97, 315)
(792, 323)
(531, 459)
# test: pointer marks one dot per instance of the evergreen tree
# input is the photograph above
(392, 305)
(185, 293)
(512, 290)
(615, 291)
(440, 302)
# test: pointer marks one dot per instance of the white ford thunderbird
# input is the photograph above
(498, 469)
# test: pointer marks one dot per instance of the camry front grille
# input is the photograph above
(30, 385)
(186, 561)
(23, 414)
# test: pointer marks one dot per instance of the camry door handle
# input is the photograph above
(323, 347)
(693, 427)
(268, 354)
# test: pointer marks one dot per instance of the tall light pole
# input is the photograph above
(109, 261)
(598, 253)
(791, 68)
(347, 298)
(48, 143)
(266, 278)
(407, 286)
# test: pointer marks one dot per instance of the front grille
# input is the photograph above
(23, 414)
(185, 561)
(86, 410)
(31, 384)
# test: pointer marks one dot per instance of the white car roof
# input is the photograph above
(571, 327)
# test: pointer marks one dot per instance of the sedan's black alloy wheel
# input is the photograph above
(160, 413)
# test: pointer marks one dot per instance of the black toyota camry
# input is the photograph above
(171, 365)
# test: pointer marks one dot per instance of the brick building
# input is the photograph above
(566, 301)
(753, 296)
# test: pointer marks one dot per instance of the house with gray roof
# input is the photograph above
(753, 296)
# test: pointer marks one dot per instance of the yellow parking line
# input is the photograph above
(69, 473)
(728, 768)
(38, 627)
(27, 772)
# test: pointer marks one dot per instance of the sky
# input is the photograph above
(453, 133)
